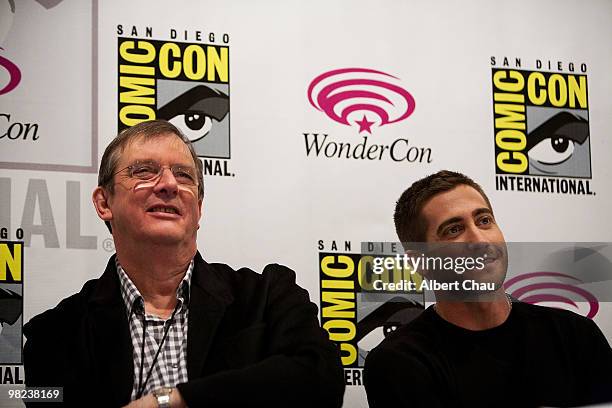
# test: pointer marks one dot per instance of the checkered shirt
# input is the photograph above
(171, 366)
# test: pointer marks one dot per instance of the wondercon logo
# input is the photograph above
(553, 289)
(360, 97)
(14, 75)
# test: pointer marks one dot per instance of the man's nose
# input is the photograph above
(476, 237)
(166, 183)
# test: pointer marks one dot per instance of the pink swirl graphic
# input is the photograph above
(14, 75)
(348, 94)
(525, 287)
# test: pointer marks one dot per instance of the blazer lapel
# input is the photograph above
(208, 300)
(110, 337)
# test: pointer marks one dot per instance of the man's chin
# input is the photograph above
(473, 285)
(162, 236)
(475, 292)
(493, 273)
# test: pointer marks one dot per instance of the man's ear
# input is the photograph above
(100, 201)
(200, 202)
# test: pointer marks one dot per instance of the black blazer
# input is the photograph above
(253, 340)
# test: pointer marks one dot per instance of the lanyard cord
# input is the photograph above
(141, 386)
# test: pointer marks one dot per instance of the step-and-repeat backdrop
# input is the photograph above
(311, 118)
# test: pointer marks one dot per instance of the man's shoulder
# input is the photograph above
(564, 322)
(418, 336)
(408, 353)
(560, 318)
(270, 272)
(71, 310)
(245, 289)
(425, 333)
(217, 277)
(67, 311)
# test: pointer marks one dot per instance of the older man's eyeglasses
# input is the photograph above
(151, 171)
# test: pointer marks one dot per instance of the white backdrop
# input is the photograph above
(279, 201)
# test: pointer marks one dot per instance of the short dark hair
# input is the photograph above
(409, 223)
(146, 130)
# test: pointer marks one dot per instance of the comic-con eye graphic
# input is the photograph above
(557, 146)
(10, 307)
(196, 111)
(383, 321)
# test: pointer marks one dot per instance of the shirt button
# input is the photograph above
(174, 365)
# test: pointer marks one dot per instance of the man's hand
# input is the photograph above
(149, 401)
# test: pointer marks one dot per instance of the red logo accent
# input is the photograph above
(552, 288)
(360, 96)
(14, 75)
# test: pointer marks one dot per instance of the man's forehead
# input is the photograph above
(142, 139)
(141, 145)
(459, 201)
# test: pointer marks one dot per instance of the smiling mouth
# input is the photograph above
(167, 210)
(490, 259)
(493, 254)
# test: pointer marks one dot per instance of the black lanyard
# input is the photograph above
(168, 324)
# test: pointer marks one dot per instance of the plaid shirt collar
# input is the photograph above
(133, 300)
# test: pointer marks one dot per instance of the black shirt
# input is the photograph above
(538, 356)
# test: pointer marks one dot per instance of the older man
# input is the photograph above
(161, 327)
(479, 348)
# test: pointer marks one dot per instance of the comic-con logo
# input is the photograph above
(360, 97)
(356, 315)
(11, 301)
(184, 83)
(541, 129)
(366, 100)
